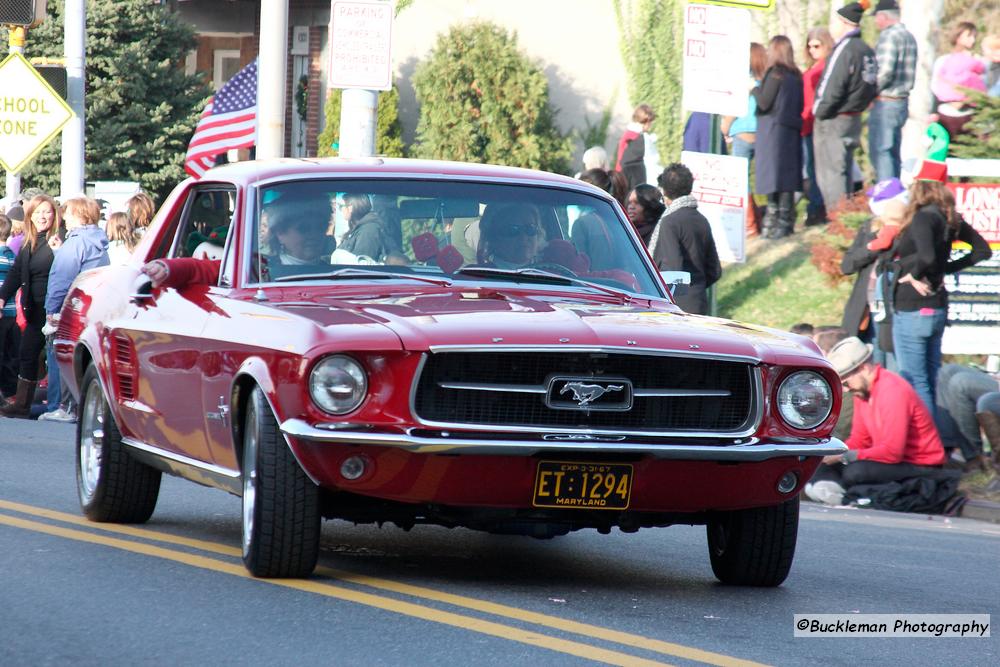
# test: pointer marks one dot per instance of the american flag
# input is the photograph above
(229, 121)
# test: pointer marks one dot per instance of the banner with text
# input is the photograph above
(974, 294)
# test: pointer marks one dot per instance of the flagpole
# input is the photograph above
(271, 78)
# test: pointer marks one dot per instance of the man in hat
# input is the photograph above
(896, 57)
(846, 89)
(893, 436)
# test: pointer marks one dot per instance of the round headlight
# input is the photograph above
(805, 399)
(338, 384)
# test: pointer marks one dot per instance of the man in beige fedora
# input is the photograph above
(893, 436)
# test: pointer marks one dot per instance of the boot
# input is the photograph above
(785, 218)
(990, 423)
(770, 222)
(21, 407)
(753, 217)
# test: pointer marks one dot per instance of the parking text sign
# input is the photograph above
(361, 45)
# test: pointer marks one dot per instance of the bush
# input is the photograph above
(141, 108)
(482, 100)
(388, 131)
(829, 249)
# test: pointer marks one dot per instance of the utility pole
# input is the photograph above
(271, 75)
(16, 37)
(358, 120)
(73, 135)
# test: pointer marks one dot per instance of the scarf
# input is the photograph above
(686, 201)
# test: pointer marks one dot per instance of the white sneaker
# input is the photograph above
(58, 415)
(827, 492)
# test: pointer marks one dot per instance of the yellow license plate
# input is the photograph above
(600, 486)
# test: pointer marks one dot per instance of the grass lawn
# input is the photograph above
(778, 285)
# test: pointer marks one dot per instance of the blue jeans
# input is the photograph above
(53, 393)
(885, 134)
(815, 197)
(916, 336)
(742, 148)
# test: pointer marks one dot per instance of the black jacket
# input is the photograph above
(686, 244)
(367, 238)
(860, 260)
(849, 80)
(30, 271)
(924, 250)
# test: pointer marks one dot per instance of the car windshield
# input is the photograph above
(446, 230)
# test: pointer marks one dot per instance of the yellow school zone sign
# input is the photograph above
(31, 113)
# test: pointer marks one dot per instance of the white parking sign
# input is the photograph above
(361, 45)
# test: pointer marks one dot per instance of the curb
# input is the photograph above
(982, 510)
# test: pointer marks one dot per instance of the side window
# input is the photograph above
(204, 225)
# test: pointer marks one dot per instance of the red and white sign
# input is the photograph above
(721, 186)
(974, 294)
(716, 59)
(361, 45)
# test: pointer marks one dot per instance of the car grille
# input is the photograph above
(461, 388)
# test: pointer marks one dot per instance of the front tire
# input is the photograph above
(113, 487)
(754, 547)
(281, 518)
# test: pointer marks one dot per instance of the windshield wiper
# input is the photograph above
(354, 272)
(541, 275)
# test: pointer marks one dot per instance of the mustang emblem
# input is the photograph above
(585, 393)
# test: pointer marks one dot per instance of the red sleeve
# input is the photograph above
(894, 419)
(809, 81)
(187, 271)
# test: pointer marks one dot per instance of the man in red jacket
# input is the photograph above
(893, 436)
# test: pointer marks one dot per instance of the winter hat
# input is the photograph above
(887, 6)
(885, 191)
(853, 11)
(847, 355)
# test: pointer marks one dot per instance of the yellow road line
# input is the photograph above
(511, 633)
(547, 620)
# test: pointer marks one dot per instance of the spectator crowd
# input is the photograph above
(906, 418)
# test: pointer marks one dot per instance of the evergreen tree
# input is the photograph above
(482, 100)
(141, 107)
(651, 38)
(981, 136)
(388, 130)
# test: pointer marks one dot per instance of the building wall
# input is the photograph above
(575, 43)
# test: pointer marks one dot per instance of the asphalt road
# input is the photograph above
(174, 592)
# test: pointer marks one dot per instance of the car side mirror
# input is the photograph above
(142, 289)
(675, 278)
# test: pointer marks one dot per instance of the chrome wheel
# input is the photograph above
(91, 442)
(250, 445)
(112, 486)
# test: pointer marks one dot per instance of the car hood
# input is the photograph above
(492, 318)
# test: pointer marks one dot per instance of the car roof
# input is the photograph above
(255, 171)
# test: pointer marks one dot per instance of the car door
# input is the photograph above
(158, 350)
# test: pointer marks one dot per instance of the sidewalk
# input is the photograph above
(983, 510)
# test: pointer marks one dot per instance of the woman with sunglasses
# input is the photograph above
(512, 236)
(819, 45)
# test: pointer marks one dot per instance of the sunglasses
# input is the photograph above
(528, 229)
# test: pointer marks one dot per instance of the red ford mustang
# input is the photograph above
(430, 342)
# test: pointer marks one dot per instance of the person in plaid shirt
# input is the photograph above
(896, 57)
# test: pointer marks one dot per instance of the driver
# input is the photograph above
(511, 236)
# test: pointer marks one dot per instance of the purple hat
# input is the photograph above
(883, 191)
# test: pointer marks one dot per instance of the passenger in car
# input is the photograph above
(366, 236)
(511, 236)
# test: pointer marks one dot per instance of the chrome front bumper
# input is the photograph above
(753, 450)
